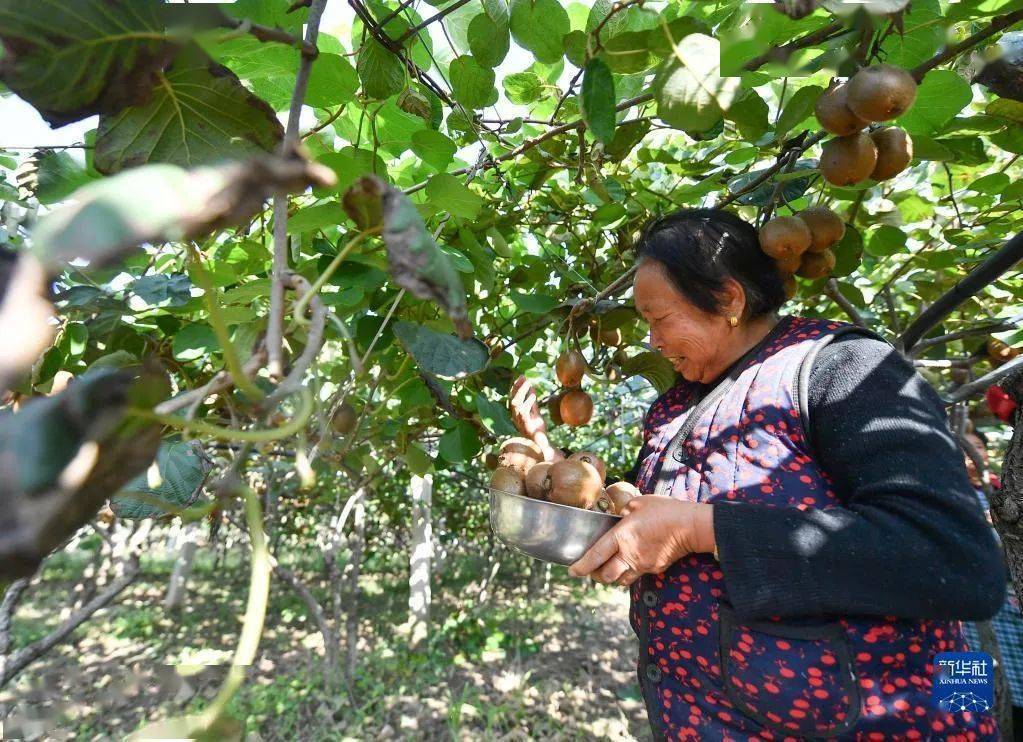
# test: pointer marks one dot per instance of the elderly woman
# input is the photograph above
(807, 540)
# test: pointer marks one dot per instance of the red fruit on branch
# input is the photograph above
(1001, 404)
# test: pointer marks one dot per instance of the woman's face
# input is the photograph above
(683, 333)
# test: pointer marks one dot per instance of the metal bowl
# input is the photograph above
(546, 530)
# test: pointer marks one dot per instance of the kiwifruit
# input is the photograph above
(614, 497)
(894, 152)
(999, 352)
(592, 459)
(848, 160)
(621, 356)
(826, 227)
(791, 287)
(520, 454)
(535, 480)
(959, 375)
(576, 407)
(612, 338)
(816, 264)
(554, 409)
(344, 419)
(570, 367)
(788, 265)
(833, 112)
(785, 237)
(506, 479)
(881, 92)
(491, 461)
(574, 483)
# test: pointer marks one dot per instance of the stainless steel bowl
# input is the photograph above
(546, 530)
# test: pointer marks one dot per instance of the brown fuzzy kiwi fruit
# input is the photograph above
(592, 459)
(621, 356)
(894, 152)
(554, 409)
(491, 461)
(1000, 352)
(576, 407)
(848, 160)
(788, 265)
(615, 496)
(785, 237)
(535, 480)
(574, 483)
(881, 92)
(816, 264)
(833, 112)
(344, 419)
(570, 368)
(612, 338)
(520, 454)
(825, 225)
(506, 479)
(790, 286)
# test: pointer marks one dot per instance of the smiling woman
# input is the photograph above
(807, 541)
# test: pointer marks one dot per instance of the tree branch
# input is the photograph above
(832, 290)
(435, 17)
(977, 386)
(987, 329)
(783, 52)
(275, 322)
(997, 24)
(265, 33)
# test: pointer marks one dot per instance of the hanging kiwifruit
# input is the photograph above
(816, 264)
(621, 356)
(615, 496)
(576, 407)
(833, 112)
(506, 479)
(788, 265)
(535, 480)
(1000, 352)
(570, 368)
(784, 237)
(592, 459)
(894, 152)
(791, 287)
(344, 419)
(554, 409)
(491, 461)
(574, 483)
(520, 454)
(848, 160)
(826, 227)
(881, 92)
(612, 338)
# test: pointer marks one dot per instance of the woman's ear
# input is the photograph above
(733, 299)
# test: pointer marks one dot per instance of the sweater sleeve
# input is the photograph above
(908, 540)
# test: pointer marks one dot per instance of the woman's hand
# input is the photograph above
(525, 414)
(654, 533)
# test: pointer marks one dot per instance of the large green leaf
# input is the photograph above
(523, 87)
(58, 175)
(941, 95)
(539, 25)
(434, 148)
(495, 416)
(381, 72)
(654, 367)
(923, 32)
(75, 59)
(598, 99)
(460, 443)
(489, 40)
(163, 289)
(199, 113)
(690, 93)
(798, 108)
(442, 355)
(472, 84)
(176, 477)
(447, 193)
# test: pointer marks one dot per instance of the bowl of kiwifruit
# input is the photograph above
(552, 511)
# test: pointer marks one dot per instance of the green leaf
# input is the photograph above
(941, 95)
(749, 112)
(689, 91)
(332, 81)
(533, 303)
(73, 60)
(472, 84)
(494, 416)
(434, 148)
(58, 175)
(539, 26)
(598, 99)
(627, 52)
(447, 193)
(759, 196)
(176, 478)
(574, 45)
(1010, 110)
(442, 355)
(460, 443)
(923, 33)
(653, 367)
(163, 289)
(886, 240)
(311, 218)
(77, 335)
(380, 71)
(489, 40)
(848, 252)
(523, 87)
(199, 114)
(798, 108)
(351, 163)
(991, 184)
(194, 342)
(418, 460)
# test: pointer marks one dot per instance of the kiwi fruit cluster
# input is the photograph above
(801, 244)
(577, 481)
(571, 406)
(880, 92)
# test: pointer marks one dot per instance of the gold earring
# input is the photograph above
(733, 321)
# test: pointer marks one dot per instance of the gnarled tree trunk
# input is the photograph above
(1007, 503)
